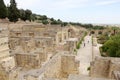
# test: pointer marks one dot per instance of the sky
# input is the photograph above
(83, 11)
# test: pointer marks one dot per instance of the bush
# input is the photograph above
(112, 47)
(102, 39)
(80, 42)
(45, 22)
(88, 68)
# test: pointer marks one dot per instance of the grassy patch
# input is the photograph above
(80, 42)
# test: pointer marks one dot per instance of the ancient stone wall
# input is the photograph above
(99, 68)
(60, 66)
(117, 75)
(30, 61)
(104, 67)
(3, 74)
(69, 66)
(26, 42)
(114, 66)
(70, 45)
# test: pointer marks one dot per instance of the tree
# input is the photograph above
(59, 21)
(64, 24)
(33, 17)
(44, 17)
(52, 19)
(28, 14)
(3, 10)
(13, 12)
(22, 14)
(45, 22)
(114, 30)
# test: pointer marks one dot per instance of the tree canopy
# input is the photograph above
(3, 10)
(13, 12)
(112, 46)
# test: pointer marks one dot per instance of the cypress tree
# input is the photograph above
(3, 10)
(13, 12)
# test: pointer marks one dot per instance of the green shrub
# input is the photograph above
(80, 42)
(102, 39)
(112, 46)
(88, 68)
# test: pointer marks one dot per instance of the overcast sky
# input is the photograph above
(84, 11)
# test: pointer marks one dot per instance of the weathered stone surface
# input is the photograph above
(83, 77)
(55, 68)
(116, 75)
(29, 51)
(104, 67)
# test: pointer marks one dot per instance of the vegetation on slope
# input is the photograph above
(80, 42)
(111, 47)
(102, 38)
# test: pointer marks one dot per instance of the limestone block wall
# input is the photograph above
(61, 36)
(8, 63)
(60, 66)
(3, 74)
(104, 67)
(53, 69)
(13, 42)
(8, 74)
(13, 74)
(69, 66)
(117, 75)
(99, 68)
(42, 56)
(28, 61)
(114, 66)
(30, 44)
(70, 46)
(4, 49)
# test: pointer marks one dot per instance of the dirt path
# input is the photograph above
(85, 55)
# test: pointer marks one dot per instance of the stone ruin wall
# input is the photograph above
(114, 66)
(51, 69)
(69, 65)
(27, 61)
(104, 67)
(99, 68)
(60, 66)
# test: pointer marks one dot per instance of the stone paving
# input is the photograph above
(84, 55)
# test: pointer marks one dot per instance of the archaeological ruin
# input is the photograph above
(33, 51)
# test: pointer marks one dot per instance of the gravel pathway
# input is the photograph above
(85, 55)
